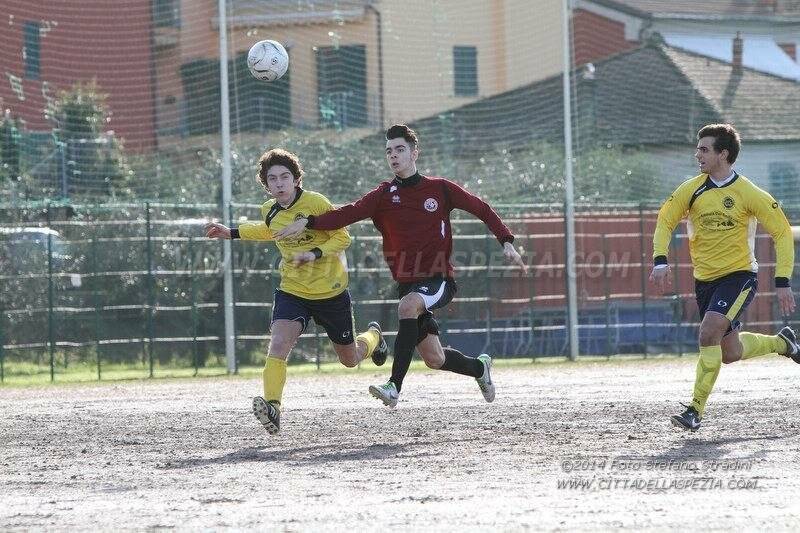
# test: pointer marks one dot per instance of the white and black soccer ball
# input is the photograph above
(267, 60)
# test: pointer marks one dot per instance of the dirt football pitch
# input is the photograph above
(585, 446)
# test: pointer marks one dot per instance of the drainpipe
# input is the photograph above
(380, 61)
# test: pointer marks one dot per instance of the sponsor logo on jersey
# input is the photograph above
(431, 205)
(423, 289)
(717, 221)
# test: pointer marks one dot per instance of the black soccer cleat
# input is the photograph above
(689, 419)
(789, 336)
(381, 351)
(268, 414)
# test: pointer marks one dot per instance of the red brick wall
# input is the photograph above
(597, 37)
(614, 240)
(86, 39)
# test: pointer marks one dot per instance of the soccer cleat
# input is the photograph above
(382, 350)
(485, 381)
(689, 419)
(788, 335)
(387, 393)
(268, 414)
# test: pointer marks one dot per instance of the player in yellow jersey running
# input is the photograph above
(313, 280)
(722, 209)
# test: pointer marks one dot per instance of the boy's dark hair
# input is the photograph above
(725, 138)
(279, 156)
(401, 130)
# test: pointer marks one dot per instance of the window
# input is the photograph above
(166, 14)
(342, 85)
(30, 50)
(465, 70)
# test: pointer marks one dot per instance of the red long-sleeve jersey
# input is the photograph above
(413, 215)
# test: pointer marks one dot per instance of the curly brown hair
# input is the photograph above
(279, 156)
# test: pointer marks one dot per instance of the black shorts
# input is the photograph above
(729, 295)
(335, 314)
(436, 292)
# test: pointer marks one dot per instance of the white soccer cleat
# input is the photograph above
(485, 381)
(268, 414)
(387, 393)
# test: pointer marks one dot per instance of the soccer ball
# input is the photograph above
(267, 60)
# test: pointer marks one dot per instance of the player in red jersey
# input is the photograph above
(412, 213)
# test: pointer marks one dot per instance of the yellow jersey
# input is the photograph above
(721, 225)
(324, 278)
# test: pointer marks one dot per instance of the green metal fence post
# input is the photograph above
(567, 325)
(488, 242)
(192, 295)
(318, 341)
(678, 298)
(233, 294)
(2, 342)
(50, 325)
(96, 298)
(150, 289)
(643, 277)
(607, 295)
(532, 284)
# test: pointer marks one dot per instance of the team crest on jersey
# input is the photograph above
(431, 205)
(728, 202)
(298, 216)
(395, 199)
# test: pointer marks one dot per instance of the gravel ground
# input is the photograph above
(577, 447)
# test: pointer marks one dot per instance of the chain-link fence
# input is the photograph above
(136, 290)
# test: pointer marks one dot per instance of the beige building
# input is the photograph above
(354, 63)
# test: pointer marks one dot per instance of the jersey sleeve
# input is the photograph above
(339, 239)
(253, 231)
(361, 209)
(769, 213)
(461, 199)
(670, 214)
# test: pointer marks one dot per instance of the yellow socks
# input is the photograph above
(756, 344)
(370, 338)
(274, 375)
(707, 371)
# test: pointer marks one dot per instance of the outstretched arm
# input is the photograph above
(361, 209)
(466, 201)
(253, 231)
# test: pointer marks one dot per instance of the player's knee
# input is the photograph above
(348, 361)
(433, 364)
(280, 345)
(710, 336)
(409, 306)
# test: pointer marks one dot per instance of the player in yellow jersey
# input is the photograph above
(313, 280)
(722, 209)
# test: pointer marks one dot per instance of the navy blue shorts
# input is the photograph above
(729, 295)
(335, 315)
(436, 292)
